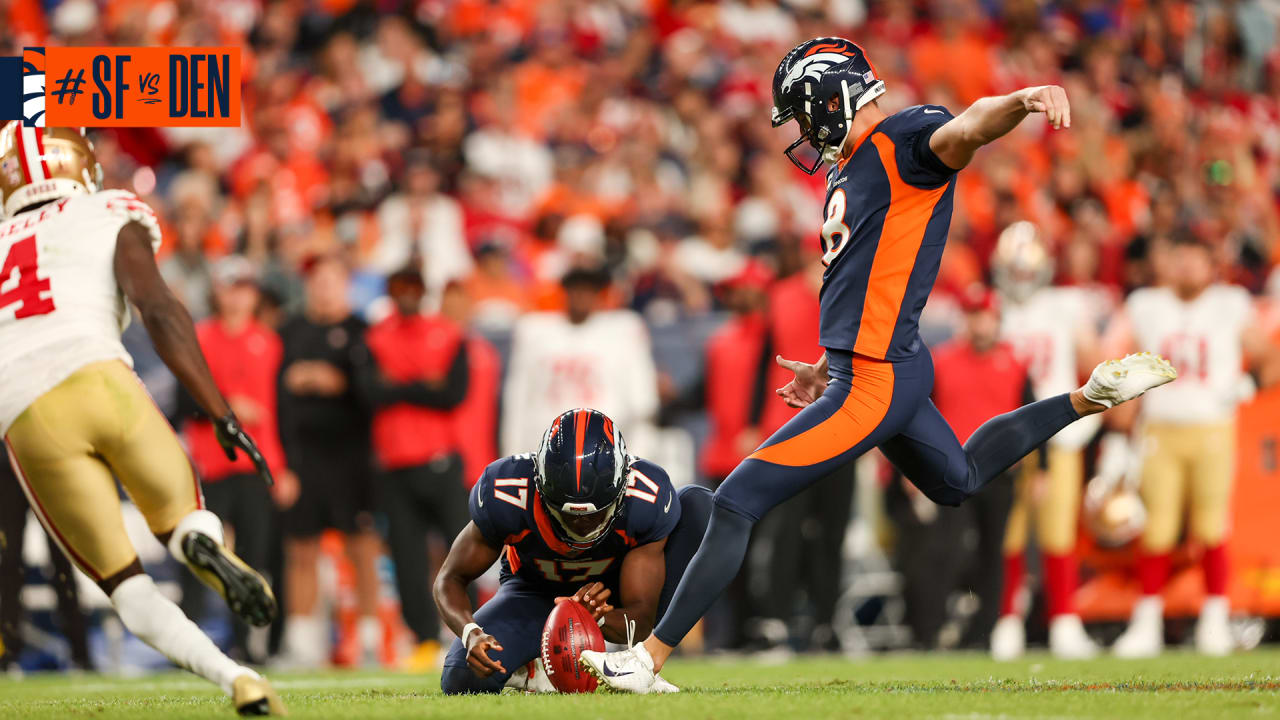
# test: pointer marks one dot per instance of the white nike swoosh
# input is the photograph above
(936, 112)
(480, 500)
(668, 505)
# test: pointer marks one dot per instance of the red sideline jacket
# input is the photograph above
(244, 364)
(970, 388)
(406, 348)
(793, 331)
(733, 362)
(475, 421)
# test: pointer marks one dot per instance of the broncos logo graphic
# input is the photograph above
(813, 65)
(33, 87)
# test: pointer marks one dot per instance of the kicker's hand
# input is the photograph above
(1050, 100)
(479, 643)
(593, 597)
(231, 436)
(807, 386)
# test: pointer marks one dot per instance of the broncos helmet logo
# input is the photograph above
(812, 67)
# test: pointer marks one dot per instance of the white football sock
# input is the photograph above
(369, 633)
(201, 520)
(159, 623)
(306, 640)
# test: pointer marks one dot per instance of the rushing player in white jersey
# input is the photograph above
(75, 417)
(1055, 332)
(1187, 433)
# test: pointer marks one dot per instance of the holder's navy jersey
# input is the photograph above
(505, 507)
(888, 211)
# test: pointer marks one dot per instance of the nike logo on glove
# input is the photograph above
(936, 112)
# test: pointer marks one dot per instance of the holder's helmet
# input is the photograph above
(580, 472)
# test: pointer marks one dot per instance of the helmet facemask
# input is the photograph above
(581, 526)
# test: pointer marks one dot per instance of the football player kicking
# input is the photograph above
(888, 208)
(74, 415)
(580, 519)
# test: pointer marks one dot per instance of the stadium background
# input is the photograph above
(632, 135)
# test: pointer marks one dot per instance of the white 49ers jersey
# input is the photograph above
(1202, 338)
(603, 363)
(1043, 330)
(60, 307)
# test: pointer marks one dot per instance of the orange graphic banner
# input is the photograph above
(142, 87)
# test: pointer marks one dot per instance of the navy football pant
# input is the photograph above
(516, 614)
(868, 403)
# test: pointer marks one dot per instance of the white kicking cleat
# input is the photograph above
(1213, 631)
(1117, 381)
(1144, 638)
(1008, 638)
(1068, 640)
(660, 685)
(628, 670)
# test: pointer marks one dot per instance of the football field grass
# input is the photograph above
(1178, 686)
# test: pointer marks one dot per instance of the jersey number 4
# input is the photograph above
(26, 288)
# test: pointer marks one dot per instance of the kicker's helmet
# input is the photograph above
(809, 78)
(1021, 263)
(580, 472)
(42, 164)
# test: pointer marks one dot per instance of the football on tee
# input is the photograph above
(570, 629)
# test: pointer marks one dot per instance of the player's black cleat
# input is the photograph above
(246, 592)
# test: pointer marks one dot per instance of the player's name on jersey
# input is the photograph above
(26, 221)
(122, 87)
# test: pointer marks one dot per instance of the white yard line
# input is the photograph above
(303, 683)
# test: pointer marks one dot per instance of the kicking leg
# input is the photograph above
(926, 452)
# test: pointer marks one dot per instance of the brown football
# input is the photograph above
(569, 630)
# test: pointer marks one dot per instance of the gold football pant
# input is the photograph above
(1054, 508)
(66, 447)
(1187, 465)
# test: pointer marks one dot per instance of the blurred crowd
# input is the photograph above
(578, 195)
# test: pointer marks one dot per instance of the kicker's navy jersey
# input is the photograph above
(505, 507)
(888, 211)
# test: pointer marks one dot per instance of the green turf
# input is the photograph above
(1178, 686)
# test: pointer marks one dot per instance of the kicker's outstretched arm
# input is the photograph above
(992, 117)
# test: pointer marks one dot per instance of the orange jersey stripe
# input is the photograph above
(513, 559)
(862, 411)
(580, 420)
(548, 535)
(910, 209)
